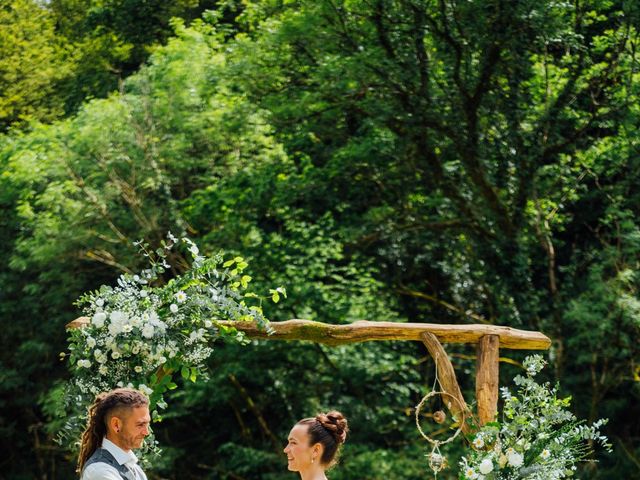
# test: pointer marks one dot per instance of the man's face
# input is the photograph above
(132, 428)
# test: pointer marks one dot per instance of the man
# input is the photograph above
(118, 423)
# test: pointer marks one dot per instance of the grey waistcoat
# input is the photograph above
(103, 455)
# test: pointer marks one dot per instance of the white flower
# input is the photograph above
(135, 349)
(143, 293)
(84, 363)
(515, 459)
(147, 332)
(545, 454)
(118, 317)
(194, 250)
(208, 323)
(91, 342)
(478, 442)
(103, 370)
(162, 360)
(470, 473)
(135, 321)
(486, 466)
(100, 302)
(115, 355)
(98, 319)
(144, 389)
(174, 308)
(181, 296)
(127, 328)
(138, 369)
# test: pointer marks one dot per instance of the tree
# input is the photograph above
(33, 62)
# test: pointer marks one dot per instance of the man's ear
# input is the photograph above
(115, 423)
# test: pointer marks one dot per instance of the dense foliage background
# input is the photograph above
(407, 160)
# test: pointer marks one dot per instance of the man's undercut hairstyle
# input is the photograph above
(105, 406)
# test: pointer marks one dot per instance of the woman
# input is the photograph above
(314, 443)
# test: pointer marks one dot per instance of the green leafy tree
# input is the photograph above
(33, 63)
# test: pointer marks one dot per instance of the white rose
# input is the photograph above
(103, 370)
(147, 332)
(115, 328)
(91, 342)
(118, 316)
(208, 323)
(115, 355)
(515, 459)
(143, 293)
(100, 302)
(98, 319)
(486, 466)
(174, 308)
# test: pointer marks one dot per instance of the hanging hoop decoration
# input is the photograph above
(433, 393)
(437, 461)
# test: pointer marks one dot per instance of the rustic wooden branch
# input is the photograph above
(367, 331)
(487, 378)
(448, 380)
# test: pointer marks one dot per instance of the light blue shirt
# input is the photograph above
(104, 471)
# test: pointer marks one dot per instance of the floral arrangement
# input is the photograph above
(146, 330)
(538, 438)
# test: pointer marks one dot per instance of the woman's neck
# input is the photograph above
(315, 474)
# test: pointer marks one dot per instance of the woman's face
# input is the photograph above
(299, 452)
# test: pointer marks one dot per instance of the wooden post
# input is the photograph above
(487, 378)
(448, 380)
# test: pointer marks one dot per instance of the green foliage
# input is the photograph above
(427, 161)
(32, 64)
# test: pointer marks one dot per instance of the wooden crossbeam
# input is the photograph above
(367, 331)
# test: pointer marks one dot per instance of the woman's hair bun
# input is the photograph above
(335, 423)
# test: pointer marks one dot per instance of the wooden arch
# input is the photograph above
(488, 338)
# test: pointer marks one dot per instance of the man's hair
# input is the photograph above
(100, 412)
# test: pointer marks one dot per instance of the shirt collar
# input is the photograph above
(120, 455)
